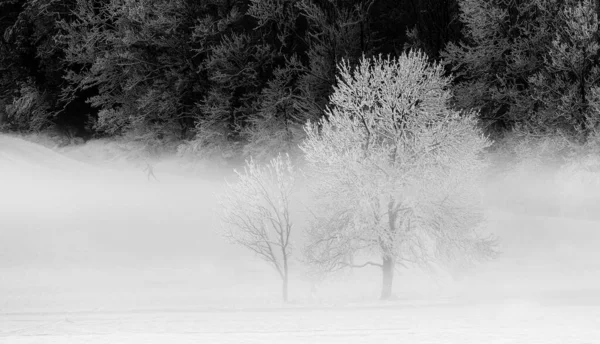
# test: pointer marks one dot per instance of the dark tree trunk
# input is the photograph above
(388, 278)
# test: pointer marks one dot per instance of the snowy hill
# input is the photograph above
(21, 156)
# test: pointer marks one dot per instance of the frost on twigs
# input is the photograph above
(256, 212)
(529, 63)
(394, 171)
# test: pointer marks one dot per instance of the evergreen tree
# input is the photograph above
(529, 64)
(31, 63)
(277, 124)
(334, 32)
(504, 46)
(568, 85)
(136, 53)
(431, 24)
(234, 63)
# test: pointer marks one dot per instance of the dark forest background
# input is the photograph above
(242, 77)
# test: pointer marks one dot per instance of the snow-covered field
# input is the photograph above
(513, 323)
(92, 254)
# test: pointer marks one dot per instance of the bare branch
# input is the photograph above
(361, 265)
(256, 211)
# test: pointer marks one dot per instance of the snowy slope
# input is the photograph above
(78, 237)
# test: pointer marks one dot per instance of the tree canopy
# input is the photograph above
(394, 169)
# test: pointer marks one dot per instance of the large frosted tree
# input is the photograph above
(394, 171)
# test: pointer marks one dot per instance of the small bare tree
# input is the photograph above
(394, 170)
(256, 212)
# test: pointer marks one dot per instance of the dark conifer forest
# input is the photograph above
(245, 76)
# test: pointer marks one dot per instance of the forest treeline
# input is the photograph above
(244, 76)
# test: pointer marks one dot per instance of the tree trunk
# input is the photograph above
(284, 288)
(388, 278)
(285, 275)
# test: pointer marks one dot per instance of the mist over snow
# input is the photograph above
(95, 250)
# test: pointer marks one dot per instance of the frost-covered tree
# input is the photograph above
(568, 85)
(307, 39)
(30, 109)
(256, 213)
(335, 30)
(504, 45)
(394, 171)
(236, 63)
(32, 65)
(277, 123)
(136, 53)
(234, 69)
(530, 64)
(435, 24)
